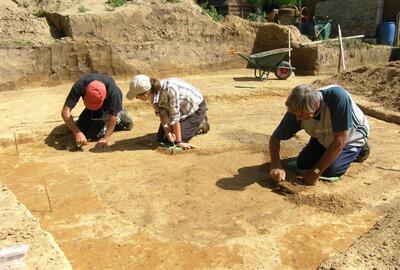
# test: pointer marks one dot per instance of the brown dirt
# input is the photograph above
(133, 207)
(332, 203)
(18, 226)
(210, 208)
(378, 83)
(377, 249)
(154, 37)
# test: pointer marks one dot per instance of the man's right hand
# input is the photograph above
(80, 139)
(277, 174)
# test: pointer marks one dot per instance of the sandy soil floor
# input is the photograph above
(136, 207)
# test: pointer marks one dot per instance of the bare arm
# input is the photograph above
(274, 149)
(176, 127)
(277, 173)
(112, 120)
(69, 121)
(330, 155)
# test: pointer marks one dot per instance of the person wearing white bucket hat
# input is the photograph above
(180, 106)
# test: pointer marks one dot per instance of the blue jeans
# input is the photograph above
(313, 152)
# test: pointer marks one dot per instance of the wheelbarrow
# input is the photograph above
(268, 61)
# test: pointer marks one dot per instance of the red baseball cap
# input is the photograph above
(95, 95)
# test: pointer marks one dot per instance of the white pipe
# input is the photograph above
(290, 53)
(341, 50)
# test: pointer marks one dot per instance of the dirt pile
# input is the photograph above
(332, 203)
(18, 226)
(378, 83)
(158, 37)
(19, 27)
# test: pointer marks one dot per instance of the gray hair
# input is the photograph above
(304, 97)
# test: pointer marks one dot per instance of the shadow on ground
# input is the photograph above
(59, 137)
(246, 79)
(145, 142)
(247, 176)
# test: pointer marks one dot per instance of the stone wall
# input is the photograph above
(356, 17)
(324, 58)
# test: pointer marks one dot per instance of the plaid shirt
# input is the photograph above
(176, 99)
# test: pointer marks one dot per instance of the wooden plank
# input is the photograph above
(331, 39)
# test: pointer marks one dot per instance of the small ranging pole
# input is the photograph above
(341, 59)
(290, 53)
(16, 143)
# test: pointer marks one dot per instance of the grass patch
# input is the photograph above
(115, 3)
(82, 9)
(22, 42)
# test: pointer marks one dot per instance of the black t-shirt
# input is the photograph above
(113, 100)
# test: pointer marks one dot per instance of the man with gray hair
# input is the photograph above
(338, 130)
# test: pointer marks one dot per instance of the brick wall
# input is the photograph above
(390, 10)
(239, 8)
(356, 17)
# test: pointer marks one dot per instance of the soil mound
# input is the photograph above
(378, 83)
(19, 27)
(332, 203)
(159, 38)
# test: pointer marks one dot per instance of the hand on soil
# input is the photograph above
(277, 174)
(101, 144)
(185, 146)
(80, 139)
(310, 177)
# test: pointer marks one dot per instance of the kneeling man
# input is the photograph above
(338, 130)
(103, 113)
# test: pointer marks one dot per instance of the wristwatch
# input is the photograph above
(317, 171)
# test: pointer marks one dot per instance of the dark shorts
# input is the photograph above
(313, 152)
(189, 126)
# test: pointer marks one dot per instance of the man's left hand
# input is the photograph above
(310, 177)
(101, 144)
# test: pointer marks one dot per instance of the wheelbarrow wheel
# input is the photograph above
(261, 74)
(281, 72)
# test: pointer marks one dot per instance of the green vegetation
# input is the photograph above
(115, 3)
(23, 43)
(38, 13)
(212, 12)
(256, 17)
(82, 9)
(174, 1)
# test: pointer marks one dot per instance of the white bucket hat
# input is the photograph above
(139, 85)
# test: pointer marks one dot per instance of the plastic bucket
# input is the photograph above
(323, 31)
(386, 33)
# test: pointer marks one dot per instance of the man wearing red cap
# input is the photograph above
(103, 113)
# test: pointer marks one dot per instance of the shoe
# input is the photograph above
(204, 126)
(364, 154)
(124, 121)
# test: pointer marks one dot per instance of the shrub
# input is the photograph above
(116, 3)
(82, 9)
(212, 12)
